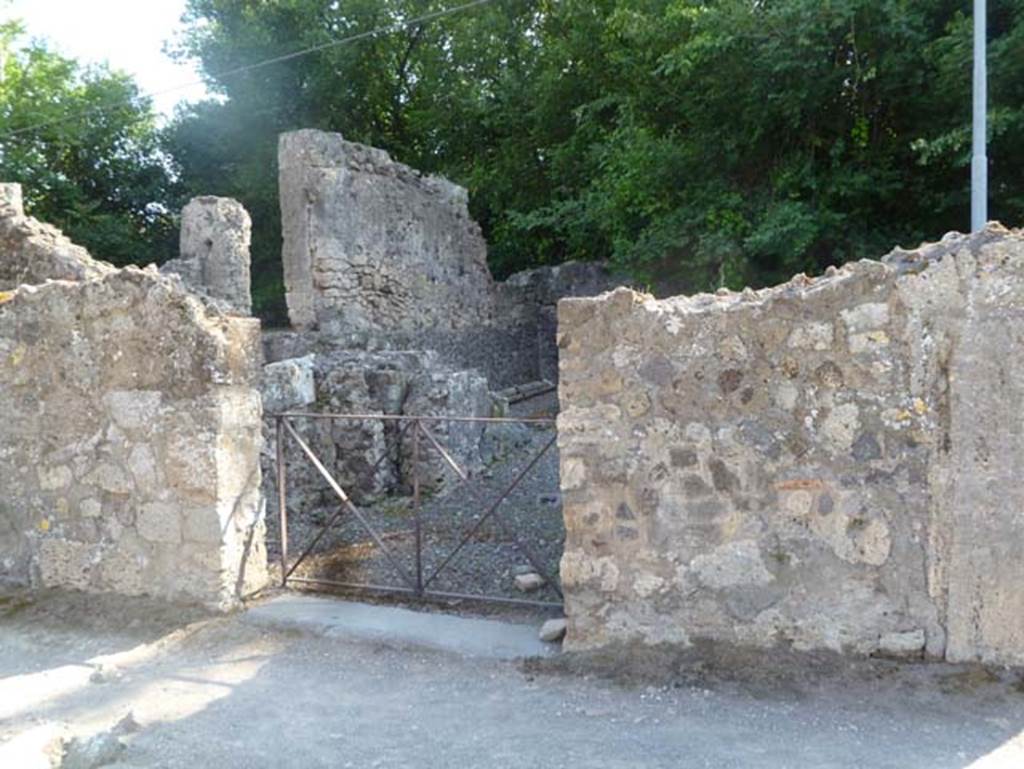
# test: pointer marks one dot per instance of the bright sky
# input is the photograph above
(127, 34)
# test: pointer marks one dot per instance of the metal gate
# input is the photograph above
(417, 582)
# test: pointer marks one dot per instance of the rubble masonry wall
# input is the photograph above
(214, 252)
(380, 257)
(828, 464)
(372, 246)
(130, 431)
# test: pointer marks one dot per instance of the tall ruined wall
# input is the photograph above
(130, 437)
(373, 246)
(377, 256)
(832, 463)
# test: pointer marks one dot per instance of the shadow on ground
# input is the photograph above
(219, 692)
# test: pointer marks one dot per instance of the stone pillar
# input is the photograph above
(215, 238)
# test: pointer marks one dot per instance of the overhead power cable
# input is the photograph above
(387, 29)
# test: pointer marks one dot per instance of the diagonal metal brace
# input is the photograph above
(315, 461)
(463, 475)
(491, 512)
(338, 512)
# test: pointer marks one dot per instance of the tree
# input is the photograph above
(416, 92)
(693, 143)
(737, 143)
(84, 145)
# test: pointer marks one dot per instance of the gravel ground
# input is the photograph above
(219, 693)
(488, 562)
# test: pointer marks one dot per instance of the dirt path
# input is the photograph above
(219, 693)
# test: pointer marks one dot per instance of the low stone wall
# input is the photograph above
(130, 438)
(829, 464)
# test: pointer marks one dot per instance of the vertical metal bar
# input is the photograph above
(416, 505)
(282, 497)
(979, 127)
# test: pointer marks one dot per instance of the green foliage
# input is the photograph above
(94, 166)
(740, 142)
(693, 143)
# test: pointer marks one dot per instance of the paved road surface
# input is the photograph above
(223, 693)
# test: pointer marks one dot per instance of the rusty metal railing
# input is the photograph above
(418, 583)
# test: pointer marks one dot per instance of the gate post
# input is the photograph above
(282, 510)
(416, 505)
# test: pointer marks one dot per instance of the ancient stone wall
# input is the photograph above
(372, 246)
(518, 345)
(214, 245)
(528, 301)
(829, 464)
(370, 458)
(130, 438)
(379, 257)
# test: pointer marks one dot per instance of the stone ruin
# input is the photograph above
(130, 438)
(379, 257)
(371, 247)
(133, 447)
(215, 237)
(828, 464)
(34, 252)
(823, 465)
(394, 311)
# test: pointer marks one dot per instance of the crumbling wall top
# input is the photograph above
(898, 262)
(821, 464)
(32, 252)
(311, 148)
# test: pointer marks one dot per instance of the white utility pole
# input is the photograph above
(979, 158)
